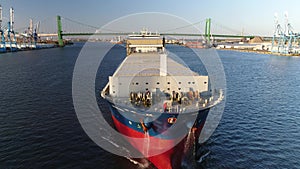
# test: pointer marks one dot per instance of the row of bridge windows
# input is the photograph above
(158, 84)
(137, 83)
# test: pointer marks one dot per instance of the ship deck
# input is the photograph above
(124, 104)
(149, 64)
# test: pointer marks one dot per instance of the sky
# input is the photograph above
(255, 17)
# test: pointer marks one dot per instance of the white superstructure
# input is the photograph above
(148, 72)
(140, 72)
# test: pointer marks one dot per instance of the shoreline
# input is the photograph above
(39, 46)
(260, 52)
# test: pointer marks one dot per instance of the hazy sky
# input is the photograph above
(252, 16)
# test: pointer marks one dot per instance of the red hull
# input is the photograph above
(168, 153)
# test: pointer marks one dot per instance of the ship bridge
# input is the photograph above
(144, 42)
(149, 75)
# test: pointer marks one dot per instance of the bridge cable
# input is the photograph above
(91, 26)
(181, 27)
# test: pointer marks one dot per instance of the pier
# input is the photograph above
(12, 41)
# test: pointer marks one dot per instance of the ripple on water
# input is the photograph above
(39, 128)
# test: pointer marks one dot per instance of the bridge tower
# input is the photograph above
(59, 32)
(207, 30)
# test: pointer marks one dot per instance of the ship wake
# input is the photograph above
(143, 164)
(191, 159)
(188, 161)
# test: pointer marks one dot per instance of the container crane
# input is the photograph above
(10, 31)
(284, 42)
(2, 43)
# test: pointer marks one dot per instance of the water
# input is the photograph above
(260, 125)
(39, 128)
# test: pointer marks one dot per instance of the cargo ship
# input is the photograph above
(154, 97)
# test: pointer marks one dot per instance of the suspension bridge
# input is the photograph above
(66, 28)
(57, 28)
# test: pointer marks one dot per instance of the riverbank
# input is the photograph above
(27, 46)
(259, 52)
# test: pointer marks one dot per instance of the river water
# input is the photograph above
(260, 127)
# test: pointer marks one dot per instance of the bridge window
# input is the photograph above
(147, 83)
(168, 88)
(205, 82)
(179, 88)
(168, 82)
(193, 82)
(179, 82)
(137, 83)
(147, 89)
(157, 83)
(189, 82)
